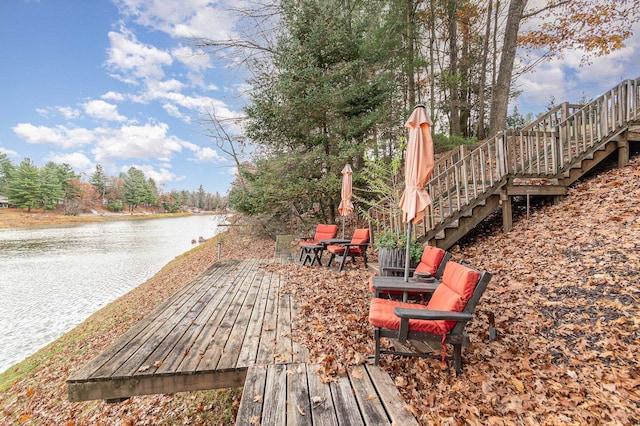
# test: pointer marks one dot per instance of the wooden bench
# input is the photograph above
(295, 394)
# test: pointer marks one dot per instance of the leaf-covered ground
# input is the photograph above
(564, 293)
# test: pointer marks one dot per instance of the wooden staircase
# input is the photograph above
(542, 159)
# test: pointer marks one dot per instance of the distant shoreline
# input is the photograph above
(18, 218)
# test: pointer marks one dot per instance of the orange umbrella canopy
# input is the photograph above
(418, 166)
(346, 206)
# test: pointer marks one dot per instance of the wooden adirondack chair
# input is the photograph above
(443, 320)
(311, 248)
(432, 264)
(356, 248)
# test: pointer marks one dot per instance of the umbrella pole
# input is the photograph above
(407, 258)
(343, 227)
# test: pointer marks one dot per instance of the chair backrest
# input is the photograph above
(360, 236)
(456, 289)
(432, 258)
(325, 232)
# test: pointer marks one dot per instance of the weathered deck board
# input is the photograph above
(293, 394)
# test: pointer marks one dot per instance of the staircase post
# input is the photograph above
(623, 149)
(507, 217)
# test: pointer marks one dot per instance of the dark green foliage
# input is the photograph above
(317, 110)
(99, 180)
(444, 143)
(25, 187)
(115, 206)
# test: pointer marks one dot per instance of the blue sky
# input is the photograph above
(116, 83)
(119, 83)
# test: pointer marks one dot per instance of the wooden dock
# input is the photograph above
(232, 327)
(204, 337)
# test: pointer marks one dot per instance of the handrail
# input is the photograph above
(546, 148)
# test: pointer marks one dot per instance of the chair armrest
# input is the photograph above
(427, 314)
(406, 314)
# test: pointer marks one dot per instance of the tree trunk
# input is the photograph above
(480, 130)
(454, 86)
(411, 75)
(502, 89)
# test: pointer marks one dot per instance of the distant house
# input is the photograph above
(4, 202)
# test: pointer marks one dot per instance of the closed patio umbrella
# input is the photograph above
(418, 167)
(346, 206)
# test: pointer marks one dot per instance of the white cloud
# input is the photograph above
(113, 96)
(160, 176)
(182, 18)
(9, 152)
(77, 160)
(144, 142)
(130, 60)
(208, 155)
(193, 60)
(103, 110)
(65, 111)
(62, 136)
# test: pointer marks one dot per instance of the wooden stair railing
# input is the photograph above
(556, 149)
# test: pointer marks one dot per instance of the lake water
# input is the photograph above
(54, 278)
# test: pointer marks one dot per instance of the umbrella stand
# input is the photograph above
(407, 260)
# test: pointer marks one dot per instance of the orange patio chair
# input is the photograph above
(356, 247)
(311, 248)
(432, 262)
(443, 320)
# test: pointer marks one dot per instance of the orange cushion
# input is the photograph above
(455, 290)
(430, 260)
(381, 315)
(360, 236)
(325, 232)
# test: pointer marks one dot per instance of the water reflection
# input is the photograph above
(54, 278)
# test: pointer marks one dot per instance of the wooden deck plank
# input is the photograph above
(249, 350)
(322, 409)
(345, 402)
(371, 407)
(390, 397)
(283, 349)
(250, 410)
(274, 399)
(237, 336)
(298, 400)
(300, 352)
(266, 349)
